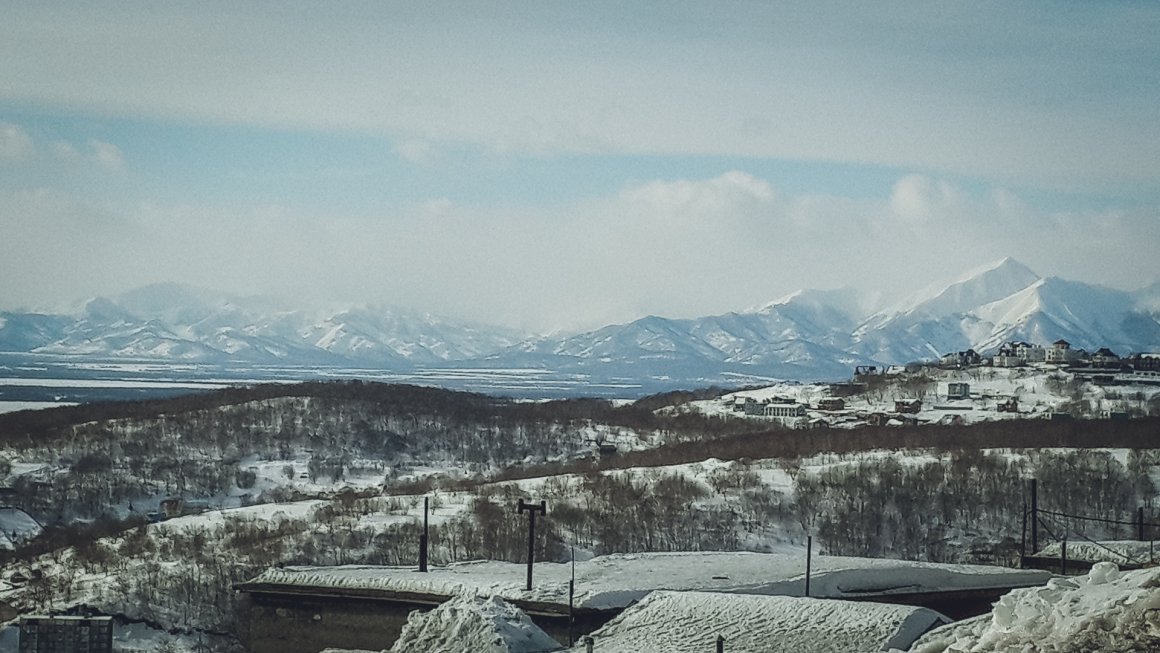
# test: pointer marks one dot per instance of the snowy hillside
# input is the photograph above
(993, 394)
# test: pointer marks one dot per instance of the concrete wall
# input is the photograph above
(303, 624)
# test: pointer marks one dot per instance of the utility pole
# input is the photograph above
(809, 554)
(423, 540)
(571, 600)
(532, 509)
(1034, 516)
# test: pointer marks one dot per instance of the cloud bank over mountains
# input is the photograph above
(680, 247)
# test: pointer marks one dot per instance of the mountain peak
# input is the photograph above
(981, 285)
(1006, 266)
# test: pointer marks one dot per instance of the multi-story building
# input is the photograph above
(1060, 352)
(65, 634)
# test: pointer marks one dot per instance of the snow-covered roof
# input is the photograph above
(615, 581)
(691, 622)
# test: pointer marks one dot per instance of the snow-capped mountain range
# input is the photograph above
(183, 324)
(809, 334)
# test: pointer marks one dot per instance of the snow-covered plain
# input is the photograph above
(691, 622)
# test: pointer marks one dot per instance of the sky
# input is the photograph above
(560, 166)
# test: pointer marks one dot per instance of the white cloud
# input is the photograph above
(65, 151)
(106, 155)
(733, 191)
(416, 151)
(15, 143)
(921, 199)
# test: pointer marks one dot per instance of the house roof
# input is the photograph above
(615, 581)
(691, 622)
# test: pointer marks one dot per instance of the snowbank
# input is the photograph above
(1107, 611)
(616, 581)
(476, 624)
(680, 622)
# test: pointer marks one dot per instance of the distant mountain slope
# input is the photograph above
(180, 323)
(939, 319)
(981, 286)
(1087, 316)
(800, 336)
(807, 335)
(1007, 301)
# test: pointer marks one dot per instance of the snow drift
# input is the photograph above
(476, 624)
(1108, 611)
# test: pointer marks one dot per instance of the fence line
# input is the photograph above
(1116, 522)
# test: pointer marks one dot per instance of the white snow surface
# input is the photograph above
(1108, 611)
(476, 624)
(989, 387)
(13, 406)
(1117, 551)
(616, 581)
(16, 526)
(690, 622)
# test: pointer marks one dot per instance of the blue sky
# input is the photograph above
(559, 166)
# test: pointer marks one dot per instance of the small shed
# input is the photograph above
(831, 403)
(172, 507)
(908, 407)
(958, 391)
